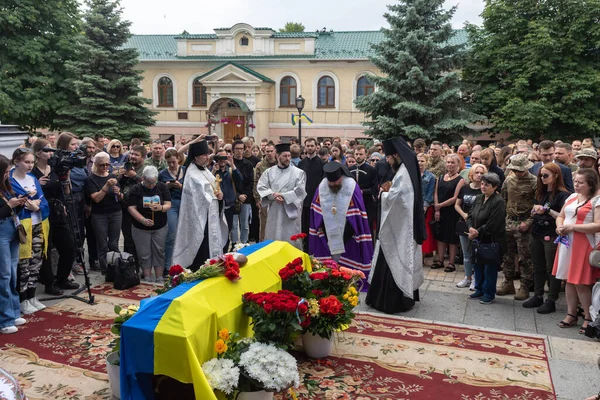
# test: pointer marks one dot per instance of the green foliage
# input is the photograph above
(36, 38)
(419, 93)
(123, 314)
(534, 67)
(104, 82)
(293, 27)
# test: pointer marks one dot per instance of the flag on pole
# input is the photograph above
(296, 118)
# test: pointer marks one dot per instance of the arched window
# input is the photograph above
(287, 92)
(244, 41)
(364, 87)
(165, 92)
(326, 92)
(199, 91)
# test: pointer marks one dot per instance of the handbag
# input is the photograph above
(594, 257)
(126, 273)
(19, 226)
(461, 228)
(486, 253)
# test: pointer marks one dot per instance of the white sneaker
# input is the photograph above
(27, 308)
(9, 329)
(20, 321)
(160, 280)
(71, 277)
(472, 287)
(464, 283)
(77, 269)
(37, 304)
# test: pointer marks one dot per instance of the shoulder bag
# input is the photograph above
(20, 228)
(487, 253)
(594, 257)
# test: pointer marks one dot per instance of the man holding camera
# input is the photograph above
(131, 175)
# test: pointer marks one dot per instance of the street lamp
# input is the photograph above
(300, 106)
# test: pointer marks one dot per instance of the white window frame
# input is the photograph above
(315, 96)
(155, 91)
(278, 88)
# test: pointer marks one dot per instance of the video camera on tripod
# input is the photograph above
(63, 161)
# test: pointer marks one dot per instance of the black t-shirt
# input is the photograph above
(140, 195)
(545, 225)
(109, 203)
(468, 195)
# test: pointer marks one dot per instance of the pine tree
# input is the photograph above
(419, 94)
(533, 67)
(104, 80)
(36, 38)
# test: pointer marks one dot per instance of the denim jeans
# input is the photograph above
(241, 223)
(486, 276)
(465, 243)
(172, 218)
(9, 258)
(107, 228)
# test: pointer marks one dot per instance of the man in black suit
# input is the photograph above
(368, 181)
(312, 165)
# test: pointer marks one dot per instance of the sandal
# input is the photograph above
(450, 268)
(437, 265)
(565, 324)
(583, 328)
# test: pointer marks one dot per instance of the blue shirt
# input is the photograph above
(164, 176)
(427, 187)
(78, 177)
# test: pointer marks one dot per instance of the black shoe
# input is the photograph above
(68, 285)
(548, 307)
(458, 260)
(53, 290)
(533, 302)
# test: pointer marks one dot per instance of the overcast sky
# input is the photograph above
(194, 16)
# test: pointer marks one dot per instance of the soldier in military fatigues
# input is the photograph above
(518, 192)
(437, 162)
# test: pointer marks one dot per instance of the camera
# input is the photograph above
(128, 166)
(219, 158)
(63, 161)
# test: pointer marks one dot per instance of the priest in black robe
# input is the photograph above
(368, 181)
(397, 267)
(312, 165)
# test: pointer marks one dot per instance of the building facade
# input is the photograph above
(243, 81)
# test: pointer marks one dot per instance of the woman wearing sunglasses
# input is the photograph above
(117, 156)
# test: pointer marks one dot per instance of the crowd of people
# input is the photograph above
(526, 209)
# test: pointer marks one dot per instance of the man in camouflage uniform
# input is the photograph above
(437, 162)
(261, 167)
(518, 191)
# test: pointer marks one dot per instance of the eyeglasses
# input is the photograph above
(229, 151)
(373, 160)
(116, 146)
(544, 176)
(102, 165)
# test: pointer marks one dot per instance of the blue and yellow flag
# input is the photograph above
(295, 118)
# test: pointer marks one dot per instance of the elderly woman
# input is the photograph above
(427, 189)
(486, 223)
(464, 203)
(117, 156)
(579, 222)
(148, 205)
(104, 191)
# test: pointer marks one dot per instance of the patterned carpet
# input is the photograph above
(59, 354)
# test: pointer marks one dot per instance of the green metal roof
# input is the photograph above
(349, 45)
(243, 68)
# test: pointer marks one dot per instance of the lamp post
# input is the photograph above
(300, 106)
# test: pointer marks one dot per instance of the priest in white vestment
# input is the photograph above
(282, 191)
(202, 230)
(397, 267)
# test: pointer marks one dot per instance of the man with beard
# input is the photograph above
(131, 175)
(268, 162)
(282, 191)
(368, 181)
(339, 226)
(201, 201)
(397, 267)
(312, 165)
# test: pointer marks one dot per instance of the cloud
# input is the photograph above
(175, 16)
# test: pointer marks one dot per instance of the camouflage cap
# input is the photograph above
(520, 162)
(587, 152)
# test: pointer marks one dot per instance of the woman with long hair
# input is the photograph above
(10, 203)
(488, 158)
(464, 202)
(579, 222)
(34, 217)
(118, 158)
(550, 196)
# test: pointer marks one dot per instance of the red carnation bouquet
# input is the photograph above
(276, 317)
(222, 265)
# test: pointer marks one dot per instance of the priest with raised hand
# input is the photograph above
(397, 268)
(202, 230)
(282, 191)
(339, 226)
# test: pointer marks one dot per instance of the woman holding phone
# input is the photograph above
(173, 178)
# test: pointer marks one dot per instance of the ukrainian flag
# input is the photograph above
(175, 333)
(305, 118)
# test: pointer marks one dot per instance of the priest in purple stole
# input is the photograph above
(339, 227)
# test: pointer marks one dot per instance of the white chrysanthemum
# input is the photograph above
(274, 368)
(240, 246)
(221, 374)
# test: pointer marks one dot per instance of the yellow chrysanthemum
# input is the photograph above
(220, 346)
(346, 296)
(224, 334)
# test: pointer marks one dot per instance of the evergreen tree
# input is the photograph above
(104, 80)
(534, 67)
(36, 38)
(418, 95)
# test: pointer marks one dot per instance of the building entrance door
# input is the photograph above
(231, 130)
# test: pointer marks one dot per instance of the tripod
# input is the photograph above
(71, 210)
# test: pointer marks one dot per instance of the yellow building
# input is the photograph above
(245, 81)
